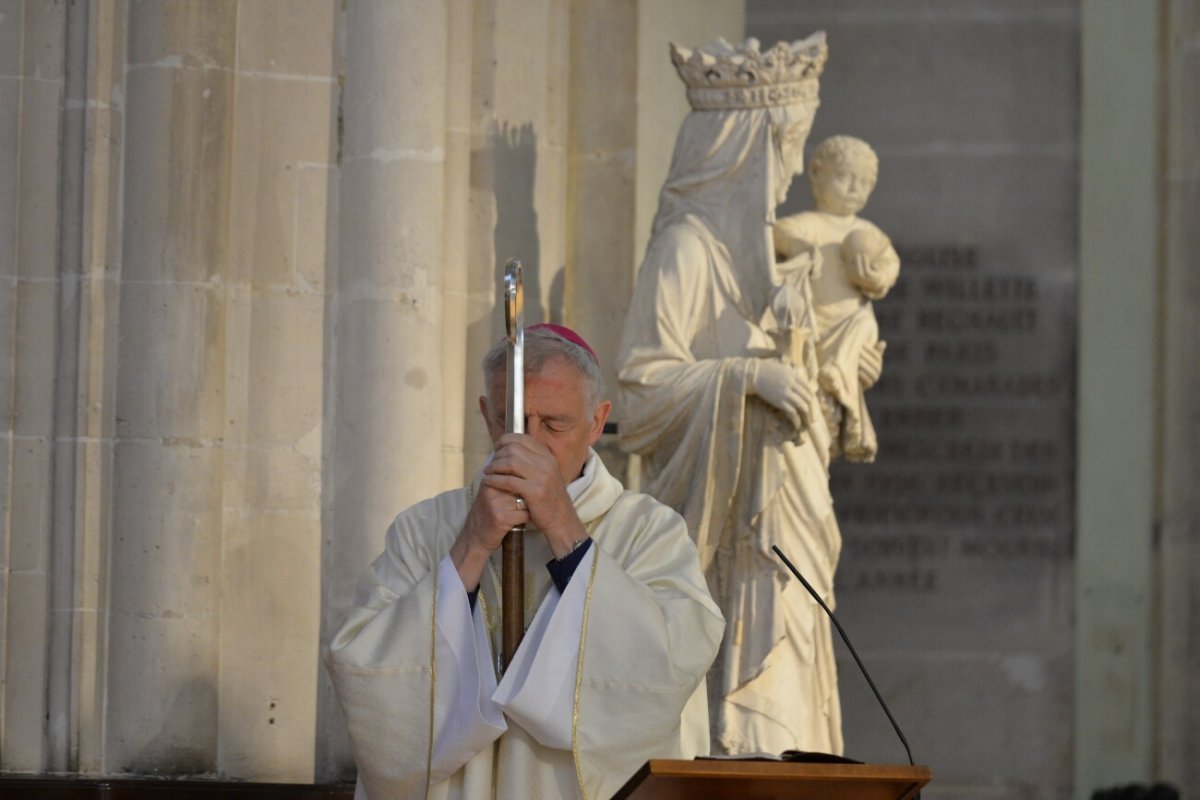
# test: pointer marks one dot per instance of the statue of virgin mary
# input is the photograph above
(718, 390)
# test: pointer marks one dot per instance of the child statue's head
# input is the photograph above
(842, 172)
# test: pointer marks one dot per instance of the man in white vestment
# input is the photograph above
(621, 627)
(718, 376)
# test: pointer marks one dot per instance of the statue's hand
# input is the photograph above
(870, 364)
(784, 387)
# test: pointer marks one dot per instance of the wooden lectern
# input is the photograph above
(665, 779)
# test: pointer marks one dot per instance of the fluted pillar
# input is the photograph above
(32, 89)
(87, 376)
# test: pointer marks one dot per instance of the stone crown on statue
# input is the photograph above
(721, 77)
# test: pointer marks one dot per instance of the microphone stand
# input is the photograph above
(846, 639)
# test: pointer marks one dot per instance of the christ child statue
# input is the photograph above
(853, 263)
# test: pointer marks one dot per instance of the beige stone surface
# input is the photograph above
(99, 319)
(1178, 682)
(396, 230)
(401, 398)
(286, 37)
(10, 103)
(42, 28)
(11, 12)
(596, 296)
(603, 104)
(34, 349)
(37, 198)
(277, 478)
(30, 505)
(176, 208)
(456, 249)
(285, 368)
(89, 617)
(269, 657)
(523, 78)
(89, 243)
(282, 128)
(162, 694)
(171, 503)
(170, 381)
(315, 245)
(164, 604)
(8, 300)
(275, 364)
(1116, 458)
(25, 671)
(549, 243)
(6, 443)
(182, 33)
(379, 107)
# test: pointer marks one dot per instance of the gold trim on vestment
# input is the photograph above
(432, 682)
(587, 606)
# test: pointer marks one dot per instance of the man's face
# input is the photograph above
(556, 414)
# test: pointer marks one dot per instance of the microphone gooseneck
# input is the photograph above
(846, 639)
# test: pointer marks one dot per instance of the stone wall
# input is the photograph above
(163, 507)
(956, 573)
(249, 257)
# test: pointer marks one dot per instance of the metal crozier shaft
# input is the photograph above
(512, 597)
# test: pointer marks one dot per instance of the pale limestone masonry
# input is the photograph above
(249, 257)
(248, 266)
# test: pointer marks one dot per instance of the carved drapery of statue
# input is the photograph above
(718, 376)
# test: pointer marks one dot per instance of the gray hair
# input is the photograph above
(542, 346)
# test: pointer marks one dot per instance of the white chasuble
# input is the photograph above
(609, 674)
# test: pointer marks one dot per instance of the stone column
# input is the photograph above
(1118, 308)
(165, 593)
(1178, 573)
(385, 380)
(91, 245)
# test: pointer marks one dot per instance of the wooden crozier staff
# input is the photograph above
(512, 595)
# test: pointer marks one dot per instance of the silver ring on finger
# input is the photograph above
(520, 503)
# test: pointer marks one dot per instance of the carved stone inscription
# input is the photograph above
(974, 417)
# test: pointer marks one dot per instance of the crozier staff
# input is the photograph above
(513, 549)
(611, 670)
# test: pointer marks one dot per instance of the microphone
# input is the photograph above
(846, 639)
